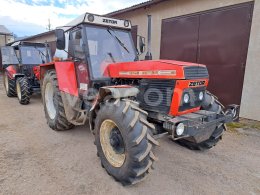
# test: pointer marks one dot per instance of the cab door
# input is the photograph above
(77, 49)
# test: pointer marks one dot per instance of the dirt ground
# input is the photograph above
(36, 160)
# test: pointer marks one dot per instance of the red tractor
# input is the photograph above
(20, 62)
(129, 103)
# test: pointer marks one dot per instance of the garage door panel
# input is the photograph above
(179, 38)
(223, 44)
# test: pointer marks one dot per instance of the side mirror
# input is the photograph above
(60, 39)
(141, 44)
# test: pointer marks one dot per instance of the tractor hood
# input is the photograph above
(159, 69)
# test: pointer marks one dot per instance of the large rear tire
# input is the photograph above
(23, 90)
(124, 141)
(210, 103)
(53, 105)
(10, 86)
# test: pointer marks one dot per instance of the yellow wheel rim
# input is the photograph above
(112, 143)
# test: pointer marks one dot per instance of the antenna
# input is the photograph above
(49, 25)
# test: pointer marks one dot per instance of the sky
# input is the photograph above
(30, 17)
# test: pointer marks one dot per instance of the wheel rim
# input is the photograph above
(112, 143)
(234, 113)
(18, 90)
(6, 83)
(49, 100)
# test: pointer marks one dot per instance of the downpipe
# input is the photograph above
(148, 55)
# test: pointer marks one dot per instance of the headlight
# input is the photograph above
(91, 18)
(201, 96)
(180, 129)
(126, 23)
(186, 98)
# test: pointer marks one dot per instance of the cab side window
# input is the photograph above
(76, 44)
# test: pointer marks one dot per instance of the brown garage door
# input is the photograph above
(222, 44)
(179, 39)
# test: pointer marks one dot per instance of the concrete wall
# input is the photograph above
(250, 105)
(4, 39)
(41, 39)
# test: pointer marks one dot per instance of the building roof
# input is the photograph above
(29, 38)
(38, 35)
(4, 30)
(134, 7)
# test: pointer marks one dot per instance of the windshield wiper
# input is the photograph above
(118, 40)
(40, 51)
(111, 56)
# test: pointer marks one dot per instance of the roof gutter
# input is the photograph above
(135, 7)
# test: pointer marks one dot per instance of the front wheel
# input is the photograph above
(23, 90)
(124, 141)
(53, 104)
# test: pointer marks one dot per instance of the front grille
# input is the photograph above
(196, 72)
(156, 95)
(194, 98)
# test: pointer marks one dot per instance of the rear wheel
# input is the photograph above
(210, 103)
(23, 90)
(124, 141)
(53, 105)
(10, 86)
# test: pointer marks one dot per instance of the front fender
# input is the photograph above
(105, 93)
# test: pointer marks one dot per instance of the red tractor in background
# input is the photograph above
(21, 63)
(129, 103)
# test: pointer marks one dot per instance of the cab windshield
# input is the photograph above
(33, 55)
(108, 45)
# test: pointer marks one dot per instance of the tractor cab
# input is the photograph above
(97, 42)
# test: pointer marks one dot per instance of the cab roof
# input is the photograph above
(98, 20)
(27, 44)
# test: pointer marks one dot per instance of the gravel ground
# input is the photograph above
(36, 160)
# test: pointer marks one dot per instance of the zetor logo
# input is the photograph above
(109, 21)
(197, 83)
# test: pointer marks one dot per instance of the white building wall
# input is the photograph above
(250, 105)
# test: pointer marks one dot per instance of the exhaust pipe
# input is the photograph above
(148, 55)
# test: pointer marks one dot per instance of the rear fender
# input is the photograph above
(11, 71)
(66, 76)
(44, 68)
(110, 92)
(36, 72)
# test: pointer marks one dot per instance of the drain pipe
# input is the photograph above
(148, 55)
